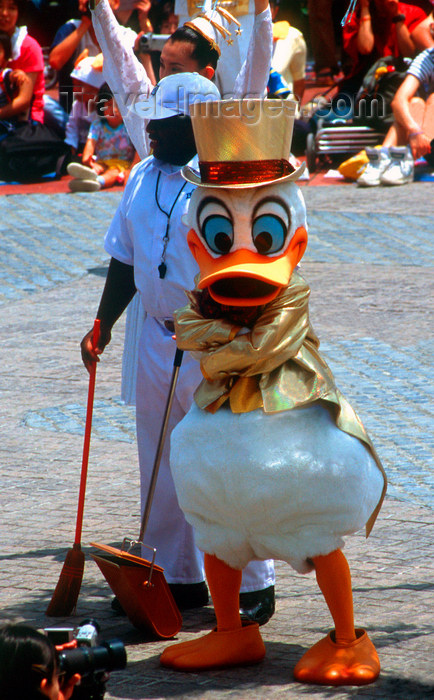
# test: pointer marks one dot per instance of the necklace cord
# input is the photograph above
(162, 268)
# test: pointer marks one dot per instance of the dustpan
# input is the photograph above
(138, 583)
(142, 590)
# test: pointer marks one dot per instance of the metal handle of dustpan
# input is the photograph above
(161, 440)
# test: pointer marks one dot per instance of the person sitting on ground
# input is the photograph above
(379, 28)
(16, 90)
(71, 39)
(414, 113)
(26, 53)
(87, 79)
(33, 148)
(29, 667)
(108, 154)
(412, 133)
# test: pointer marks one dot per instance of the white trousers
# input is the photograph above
(167, 529)
(133, 330)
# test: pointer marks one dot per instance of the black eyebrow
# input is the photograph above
(277, 200)
(211, 200)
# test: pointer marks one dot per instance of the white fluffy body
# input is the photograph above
(283, 486)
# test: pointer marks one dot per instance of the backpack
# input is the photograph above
(374, 99)
(31, 151)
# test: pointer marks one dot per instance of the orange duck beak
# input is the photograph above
(244, 277)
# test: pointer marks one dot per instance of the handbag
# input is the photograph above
(30, 152)
(374, 99)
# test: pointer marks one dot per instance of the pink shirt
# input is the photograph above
(31, 60)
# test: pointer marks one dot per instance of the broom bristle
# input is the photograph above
(67, 590)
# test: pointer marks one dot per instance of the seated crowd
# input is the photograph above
(39, 135)
(403, 32)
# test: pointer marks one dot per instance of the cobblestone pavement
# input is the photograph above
(369, 263)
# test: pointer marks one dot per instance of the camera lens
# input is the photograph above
(110, 656)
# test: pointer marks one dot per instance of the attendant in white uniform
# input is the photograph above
(147, 242)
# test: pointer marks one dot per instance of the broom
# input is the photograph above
(67, 590)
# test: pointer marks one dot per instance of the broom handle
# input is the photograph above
(176, 365)
(86, 445)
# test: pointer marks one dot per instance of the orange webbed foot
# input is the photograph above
(240, 647)
(331, 663)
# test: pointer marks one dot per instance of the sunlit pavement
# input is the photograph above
(369, 264)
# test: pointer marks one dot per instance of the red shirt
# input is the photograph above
(385, 39)
(31, 60)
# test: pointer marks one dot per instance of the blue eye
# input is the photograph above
(218, 233)
(268, 233)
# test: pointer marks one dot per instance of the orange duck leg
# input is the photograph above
(346, 656)
(231, 643)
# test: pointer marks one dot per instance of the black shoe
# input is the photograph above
(117, 607)
(257, 606)
(186, 595)
(190, 595)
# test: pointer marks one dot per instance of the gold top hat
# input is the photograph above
(243, 143)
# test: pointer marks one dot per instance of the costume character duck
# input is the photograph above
(271, 461)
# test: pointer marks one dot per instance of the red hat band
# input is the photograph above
(243, 172)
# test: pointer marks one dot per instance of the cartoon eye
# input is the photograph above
(268, 233)
(218, 233)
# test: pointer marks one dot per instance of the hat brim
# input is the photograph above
(192, 176)
(147, 109)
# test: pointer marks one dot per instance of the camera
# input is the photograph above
(84, 656)
(152, 42)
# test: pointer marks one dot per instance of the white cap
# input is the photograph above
(174, 94)
(86, 73)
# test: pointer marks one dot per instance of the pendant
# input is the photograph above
(162, 269)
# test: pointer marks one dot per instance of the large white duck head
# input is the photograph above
(247, 217)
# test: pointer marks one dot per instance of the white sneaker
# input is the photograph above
(81, 171)
(401, 168)
(84, 185)
(379, 160)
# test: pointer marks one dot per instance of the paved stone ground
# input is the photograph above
(369, 263)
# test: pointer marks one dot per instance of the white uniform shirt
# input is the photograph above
(136, 235)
